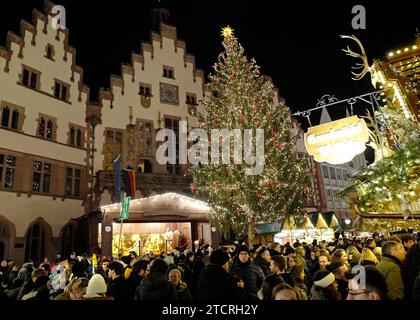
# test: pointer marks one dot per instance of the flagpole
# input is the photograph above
(119, 241)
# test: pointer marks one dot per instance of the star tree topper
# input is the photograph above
(227, 32)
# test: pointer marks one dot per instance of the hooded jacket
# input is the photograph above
(156, 287)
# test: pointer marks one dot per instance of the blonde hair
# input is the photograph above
(75, 284)
(352, 250)
(367, 255)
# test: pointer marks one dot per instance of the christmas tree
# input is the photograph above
(243, 99)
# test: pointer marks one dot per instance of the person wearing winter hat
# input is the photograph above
(324, 287)
(342, 275)
(215, 283)
(250, 273)
(96, 289)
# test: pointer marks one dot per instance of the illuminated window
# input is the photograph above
(7, 171)
(41, 178)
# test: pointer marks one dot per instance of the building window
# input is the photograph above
(112, 147)
(35, 243)
(46, 127)
(145, 90)
(145, 146)
(332, 173)
(168, 72)
(339, 174)
(79, 138)
(173, 124)
(49, 52)
(76, 136)
(61, 91)
(7, 171)
(30, 78)
(11, 116)
(144, 138)
(41, 178)
(325, 172)
(191, 99)
(73, 182)
(72, 136)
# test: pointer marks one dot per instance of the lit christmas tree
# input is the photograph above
(243, 99)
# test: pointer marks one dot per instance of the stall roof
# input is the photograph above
(164, 204)
(318, 220)
(332, 221)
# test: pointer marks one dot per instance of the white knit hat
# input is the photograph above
(326, 281)
(95, 286)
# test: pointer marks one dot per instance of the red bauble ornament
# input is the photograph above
(193, 188)
(257, 194)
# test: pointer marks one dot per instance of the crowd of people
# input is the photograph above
(345, 269)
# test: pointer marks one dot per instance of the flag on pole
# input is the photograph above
(117, 178)
(130, 183)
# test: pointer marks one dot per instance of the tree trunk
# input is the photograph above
(251, 235)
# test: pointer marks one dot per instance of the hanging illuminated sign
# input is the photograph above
(338, 141)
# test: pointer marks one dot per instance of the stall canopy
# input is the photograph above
(332, 221)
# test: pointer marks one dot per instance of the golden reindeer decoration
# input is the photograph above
(364, 66)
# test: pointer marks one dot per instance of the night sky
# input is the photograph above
(297, 43)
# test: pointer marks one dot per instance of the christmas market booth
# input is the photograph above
(320, 226)
(156, 224)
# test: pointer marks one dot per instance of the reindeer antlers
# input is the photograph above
(363, 66)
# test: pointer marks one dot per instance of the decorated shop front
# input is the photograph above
(156, 224)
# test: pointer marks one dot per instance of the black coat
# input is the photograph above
(342, 288)
(156, 287)
(118, 289)
(133, 281)
(217, 284)
(251, 275)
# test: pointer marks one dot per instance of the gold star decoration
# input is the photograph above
(227, 32)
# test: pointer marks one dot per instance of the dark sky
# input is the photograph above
(295, 42)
